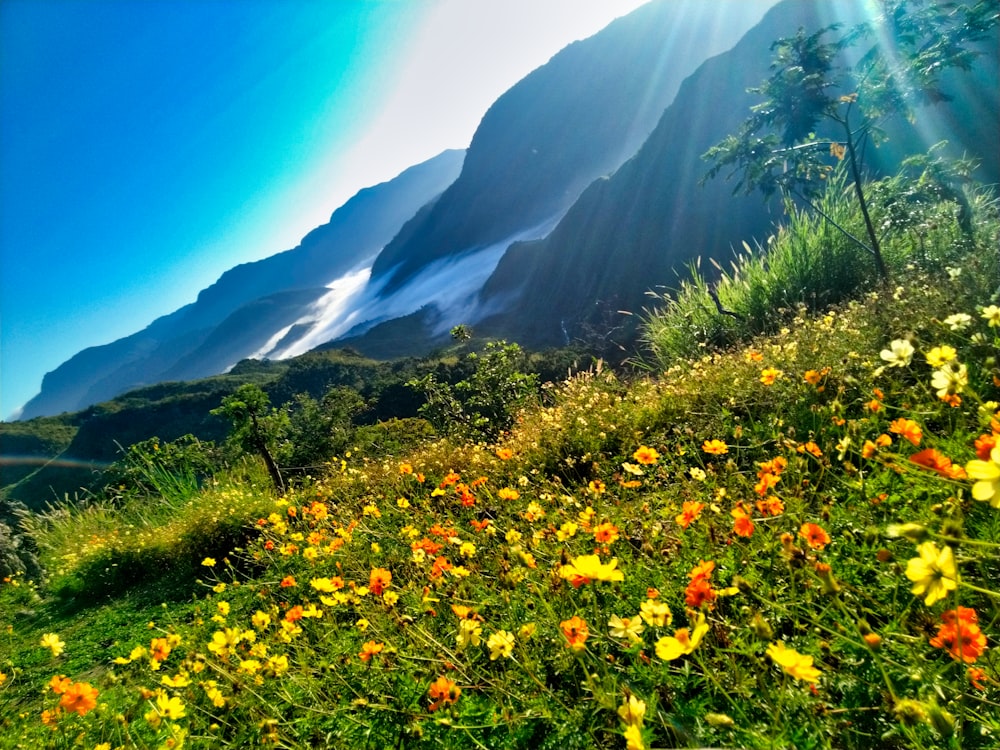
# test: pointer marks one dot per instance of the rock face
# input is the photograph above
(238, 315)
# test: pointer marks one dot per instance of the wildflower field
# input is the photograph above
(792, 543)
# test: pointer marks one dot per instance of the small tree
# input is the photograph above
(257, 426)
(777, 148)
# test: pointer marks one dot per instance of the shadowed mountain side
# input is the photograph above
(574, 119)
(631, 232)
(166, 348)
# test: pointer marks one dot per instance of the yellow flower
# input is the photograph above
(769, 374)
(933, 573)
(939, 355)
(171, 708)
(260, 620)
(469, 634)
(655, 613)
(951, 378)
(208, 562)
(992, 314)
(987, 476)
(629, 628)
(633, 738)
(52, 641)
(632, 711)
(587, 568)
(500, 644)
(797, 665)
(682, 641)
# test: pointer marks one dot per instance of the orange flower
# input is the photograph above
(646, 455)
(379, 580)
(715, 447)
(814, 535)
(771, 506)
(450, 478)
(811, 448)
(743, 525)
(60, 683)
(288, 582)
(960, 635)
(480, 525)
(985, 445)
(505, 454)
(159, 649)
(699, 593)
(937, 461)
(508, 493)
(908, 429)
(976, 678)
(370, 649)
(689, 513)
(605, 533)
(576, 632)
(79, 697)
(293, 614)
(702, 570)
(441, 564)
(442, 692)
(596, 486)
(405, 468)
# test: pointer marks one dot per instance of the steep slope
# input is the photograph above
(635, 230)
(574, 119)
(218, 329)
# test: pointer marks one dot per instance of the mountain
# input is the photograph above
(236, 317)
(638, 228)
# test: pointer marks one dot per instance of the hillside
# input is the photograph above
(786, 543)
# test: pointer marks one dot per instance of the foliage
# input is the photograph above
(319, 430)
(486, 404)
(257, 426)
(811, 263)
(777, 147)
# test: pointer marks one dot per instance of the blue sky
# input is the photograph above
(149, 145)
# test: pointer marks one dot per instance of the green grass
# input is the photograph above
(269, 633)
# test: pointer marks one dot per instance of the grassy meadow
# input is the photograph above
(784, 534)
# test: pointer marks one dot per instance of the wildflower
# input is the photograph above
(288, 582)
(899, 353)
(405, 469)
(632, 711)
(500, 643)
(699, 593)
(976, 678)
(992, 315)
(951, 378)
(743, 525)
(379, 580)
(469, 634)
(59, 684)
(654, 613)
(534, 512)
(567, 531)
(940, 355)
(814, 535)
(960, 635)
(958, 321)
(629, 628)
(505, 454)
(933, 573)
(689, 513)
(815, 377)
(908, 429)
(715, 447)
(633, 738)
(596, 486)
(80, 697)
(53, 642)
(586, 568)
(987, 476)
(645, 455)
(936, 461)
(442, 692)
(605, 533)
(370, 649)
(697, 474)
(797, 665)
(208, 562)
(702, 571)
(683, 641)
(171, 707)
(576, 632)
(771, 506)
(769, 374)
(508, 493)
